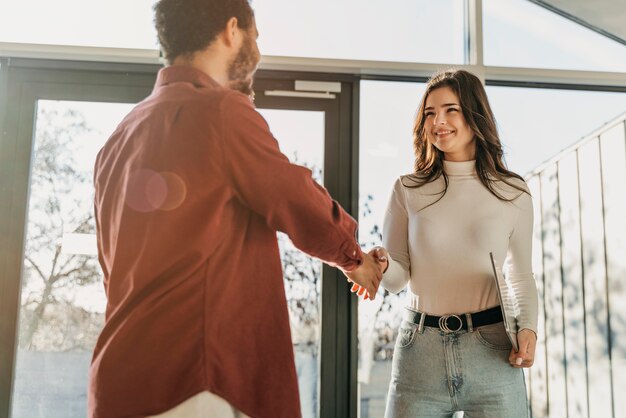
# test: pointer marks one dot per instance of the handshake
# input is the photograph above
(366, 278)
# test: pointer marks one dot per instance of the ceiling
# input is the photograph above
(607, 17)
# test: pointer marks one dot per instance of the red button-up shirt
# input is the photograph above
(190, 191)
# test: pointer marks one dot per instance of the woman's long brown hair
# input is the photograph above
(490, 166)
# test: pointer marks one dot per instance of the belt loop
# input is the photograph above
(420, 327)
(470, 326)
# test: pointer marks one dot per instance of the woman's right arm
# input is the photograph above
(396, 241)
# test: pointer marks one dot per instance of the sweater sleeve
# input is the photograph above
(396, 241)
(518, 264)
(284, 194)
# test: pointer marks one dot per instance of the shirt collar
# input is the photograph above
(178, 73)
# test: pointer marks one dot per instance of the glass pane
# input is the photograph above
(613, 161)
(63, 301)
(553, 291)
(536, 124)
(518, 33)
(595, 285)
(110, 24)
(573, 290)
(301, 138)
(400, 30)
(387, 112)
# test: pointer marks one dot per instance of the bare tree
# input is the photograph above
(57, 206)
(301, 273)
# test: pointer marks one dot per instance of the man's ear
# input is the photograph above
(230, 32)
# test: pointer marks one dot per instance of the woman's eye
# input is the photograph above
(453, 110)
(428, 114)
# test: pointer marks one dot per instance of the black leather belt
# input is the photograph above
(456, 322)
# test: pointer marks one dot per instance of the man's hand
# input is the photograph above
(525, 357)
(366, 277)
(380, 256)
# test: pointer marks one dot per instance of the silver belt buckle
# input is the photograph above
(443, 323)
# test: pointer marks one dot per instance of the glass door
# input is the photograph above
(52, 299)
(55, 116)
(300, 134)
(62, 298)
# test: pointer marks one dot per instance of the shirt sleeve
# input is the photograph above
(284, 194)
(518, 264)
(396, 241)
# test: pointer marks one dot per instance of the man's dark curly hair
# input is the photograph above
(187, 26)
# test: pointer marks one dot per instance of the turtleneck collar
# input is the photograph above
(460, 168)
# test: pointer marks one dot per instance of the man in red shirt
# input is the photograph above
(190, 191)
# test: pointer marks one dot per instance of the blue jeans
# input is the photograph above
(435, 373)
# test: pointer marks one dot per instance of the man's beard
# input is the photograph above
(242, 68)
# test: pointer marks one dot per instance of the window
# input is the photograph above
(110, 24)
(399, 30)
(386, 120)
(63, 301)
(535, 124)
(301, 137)
(518, 33)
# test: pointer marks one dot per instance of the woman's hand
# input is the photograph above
(380, 255)
(525, 357)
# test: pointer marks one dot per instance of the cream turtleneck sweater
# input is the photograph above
(442, 251)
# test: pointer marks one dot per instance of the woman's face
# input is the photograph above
(446, 127)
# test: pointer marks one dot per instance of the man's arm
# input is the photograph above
(285, 194)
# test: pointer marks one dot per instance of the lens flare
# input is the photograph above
(149, 191)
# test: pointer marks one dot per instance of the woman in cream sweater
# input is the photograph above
(461, 203)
